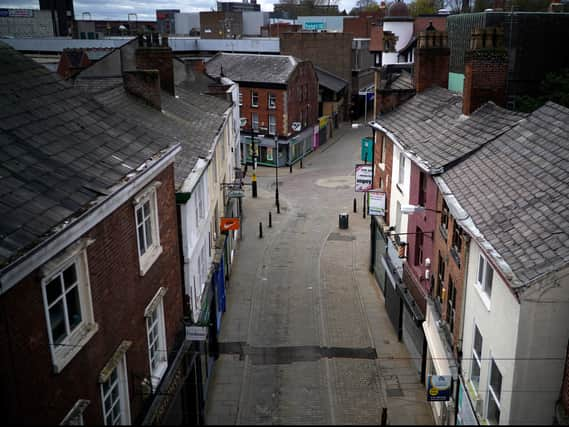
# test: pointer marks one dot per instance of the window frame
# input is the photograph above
(123, 394)
(255, 121)
(240, 98)
(401, 177)
(491, 393)
(484, 283)
(156, 306)
(63, 352)
(419, 242)
(476, 358)
(153, 251)
(271, 101)
(451, 304)
(273, 125)
(422, 189)
(457, 242)
(254, 99)
(444, 220)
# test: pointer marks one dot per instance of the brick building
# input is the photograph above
(330, 51)
(278, 100)
(91, 291)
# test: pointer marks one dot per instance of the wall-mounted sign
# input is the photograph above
(363, 178)
(376, 203)
(227, 224)
(196, 333)
(439, 388)
(314, 26)
(235, 194)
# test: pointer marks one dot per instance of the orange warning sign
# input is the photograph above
(229, 224)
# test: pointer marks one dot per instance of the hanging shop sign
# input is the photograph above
(363, 178)
(196, 333)
(227, 224)
(439, 388)
(376, 203)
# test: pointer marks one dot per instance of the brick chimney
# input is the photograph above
(153, 55)
(144, 84)
(485, 69)
(431, 59)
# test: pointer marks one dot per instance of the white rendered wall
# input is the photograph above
(404, 31)
(542, 345)
(399, 192)
(498, 325)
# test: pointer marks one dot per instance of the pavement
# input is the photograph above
(306, 338)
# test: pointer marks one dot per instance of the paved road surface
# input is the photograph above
(306, 339)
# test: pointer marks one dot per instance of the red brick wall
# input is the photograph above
(30, 389)
(383, 175)
(157, 58)
(300, 99)
(484, 78)
(360, 27)
(263, 110)
(452, 269)
(144, 84)
(388, 100)
(431, 68)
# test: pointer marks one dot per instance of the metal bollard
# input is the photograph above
(364, 204)
(270, 220)
(290, 170)
(254, 184)
(301, 163)
(355, 210)
(260, 230)
(278, 207)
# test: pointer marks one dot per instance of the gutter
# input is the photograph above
(16, 271)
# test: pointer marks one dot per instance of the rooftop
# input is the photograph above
(516, 191)
(253, 68)
(62, 153)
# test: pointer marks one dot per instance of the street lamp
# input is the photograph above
(277, 174)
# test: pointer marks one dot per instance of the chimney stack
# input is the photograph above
(153, 55)
(145, 84)
(431, 59)
(485, 69)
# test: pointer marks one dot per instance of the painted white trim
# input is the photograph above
(27, 263)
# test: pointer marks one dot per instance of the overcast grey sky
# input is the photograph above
(145, 10)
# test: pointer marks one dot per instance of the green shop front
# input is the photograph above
(264, 147)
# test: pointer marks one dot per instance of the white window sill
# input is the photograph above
(483, 296)
(63, 355)
(157, 375)
(148, 259)
(381, 166)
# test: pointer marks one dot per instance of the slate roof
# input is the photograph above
(192, 118)
(401, 81)
(432, 127)
(252, 68)
(60, 151)
(516, 189)
(329, 80)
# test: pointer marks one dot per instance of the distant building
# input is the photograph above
(245, 6)
(165, 20)
(26, 23)
(98, 29)
(221, 25)
(187, 24)
(62, 14)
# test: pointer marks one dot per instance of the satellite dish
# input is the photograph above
(243, 121)
(296, 126)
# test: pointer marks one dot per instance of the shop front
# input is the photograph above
(440, 362)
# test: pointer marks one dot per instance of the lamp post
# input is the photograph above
(277, 174)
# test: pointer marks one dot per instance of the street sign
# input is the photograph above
(196, 333)
(376, 203)
(227, 224)
(439, 388)
(363, 178)
(235, 194)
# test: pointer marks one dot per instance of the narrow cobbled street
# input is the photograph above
(305, 338)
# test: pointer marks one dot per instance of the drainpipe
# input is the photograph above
(372, 221)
